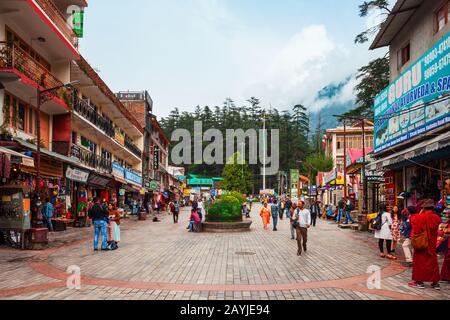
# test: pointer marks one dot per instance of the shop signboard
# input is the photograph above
(156, 158)
(133, 177)
(154, 186)
(77, 175)
(267, 192)
(122, 192)
(295, 176)
(375, 179)
(403, 110)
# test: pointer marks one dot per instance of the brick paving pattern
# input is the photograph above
(162, 261)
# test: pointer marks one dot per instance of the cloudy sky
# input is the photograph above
(199, 52)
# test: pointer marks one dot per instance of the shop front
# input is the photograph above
(78, 192)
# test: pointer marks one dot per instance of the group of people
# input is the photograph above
(301, 218)
(197, 214)
(415, 227)
(343, 210)
(106, 221)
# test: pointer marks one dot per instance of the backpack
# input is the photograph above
(351, 206)
(377, 223)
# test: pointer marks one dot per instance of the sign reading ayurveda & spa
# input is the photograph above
(414, 104)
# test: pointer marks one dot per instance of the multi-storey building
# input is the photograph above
(412, 120)
(155, 158)
(90, 143)
(335, 142)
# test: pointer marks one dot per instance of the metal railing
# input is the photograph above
(89, 113)
(59, 20)
(133, 148)
(13, 57)
(92, 160)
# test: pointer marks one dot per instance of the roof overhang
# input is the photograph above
(400, 14)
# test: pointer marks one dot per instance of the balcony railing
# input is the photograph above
(133, 148)
(13, 57)
(59, 20)
(92, 160)
(89, 113)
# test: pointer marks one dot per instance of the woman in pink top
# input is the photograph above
(195, 219)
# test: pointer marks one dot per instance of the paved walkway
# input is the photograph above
(163, 261)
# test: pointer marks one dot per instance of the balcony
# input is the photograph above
(133, 148)
(16, 64)
(87, 112)
(91, 160)
(56, 16)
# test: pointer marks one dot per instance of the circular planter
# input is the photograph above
(242, 226)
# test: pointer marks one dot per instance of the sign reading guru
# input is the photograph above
(413, 104)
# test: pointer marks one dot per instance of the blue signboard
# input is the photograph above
(413, 104)
(133, 177)
(118, 170)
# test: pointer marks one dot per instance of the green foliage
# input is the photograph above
(364, 9)
(293, 126)
(319, 163)
(228, 209)
(239, 196)
(373, 78)
(236, 177)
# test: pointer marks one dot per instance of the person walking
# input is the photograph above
(340, 209)
(175, 210)
(292, 221)
(274, 210)
(281, 206)
(99, 215)
(265, 215)
(406, 234)
(302, 224)
(348, 208)
(425, 261)
(396, 227)
(384, 234)
(288, 206)
(48, 211)
(315, 211)
(444, 247)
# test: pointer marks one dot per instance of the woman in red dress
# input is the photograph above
(425, 262)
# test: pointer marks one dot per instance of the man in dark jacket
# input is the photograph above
(100, 216)
(315, 211)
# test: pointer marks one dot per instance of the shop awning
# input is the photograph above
(57, 156)
(433, 147)
(25, 160)
(355, 159)
(98, 181)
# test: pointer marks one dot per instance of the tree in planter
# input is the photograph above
(237, 177)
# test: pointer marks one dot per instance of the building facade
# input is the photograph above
(336, 142)
(90, 145)
(412, 140)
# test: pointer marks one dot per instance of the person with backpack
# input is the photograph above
(48, 211)
(406, 234)
(175, 210)
(100, 218)
(424, 234)
(382, 226)
(348, 208)
(288, 206)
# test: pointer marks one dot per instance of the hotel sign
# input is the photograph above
(403, 110)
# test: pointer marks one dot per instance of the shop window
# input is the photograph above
(404, 55)
(441, 17)
(21, 117)
(30, 120)
(14, 112)
(74, 137)
(85, 142)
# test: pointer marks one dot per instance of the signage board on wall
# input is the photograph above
(77, 175)
(404, 110)
(155, 158)
(133, 177)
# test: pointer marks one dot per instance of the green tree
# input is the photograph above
(237, 175)
(316, 163)
(364, 9)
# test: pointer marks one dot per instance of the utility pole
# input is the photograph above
(345, 159)
(363, 173)
(264, 149)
